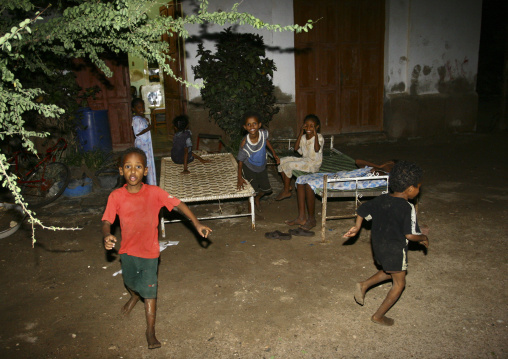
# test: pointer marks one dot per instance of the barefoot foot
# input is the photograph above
(126, 309)
(359, 294)
(283, 195)
(152, 341)
(383, 321)
(296, 221)
(311, 223)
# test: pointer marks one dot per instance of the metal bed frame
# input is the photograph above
(212, 181)
(357, 194)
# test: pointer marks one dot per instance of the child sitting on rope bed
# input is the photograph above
(181, 153)
(310, 147)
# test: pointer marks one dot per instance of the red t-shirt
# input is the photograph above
(139, 218)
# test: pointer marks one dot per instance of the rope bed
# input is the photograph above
(211, 181)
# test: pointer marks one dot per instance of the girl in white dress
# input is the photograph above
(143, 138)
(310, 147)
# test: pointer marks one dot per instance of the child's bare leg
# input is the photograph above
(310, 202)
(300, 196)
(257, 200)
(386, 166)
(126, 309)
(362, 287)
(399, 282)
(150, 311)
(286, 192)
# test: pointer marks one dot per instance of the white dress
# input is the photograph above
(310, 160)
(144, 142)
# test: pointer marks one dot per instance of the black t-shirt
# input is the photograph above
(392, 218)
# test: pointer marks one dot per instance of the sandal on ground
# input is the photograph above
(277, 235)
(301, 232)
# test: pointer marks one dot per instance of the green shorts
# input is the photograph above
(140, 275)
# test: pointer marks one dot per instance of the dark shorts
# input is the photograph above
(258, 180)
(392, 261)
(140, 275)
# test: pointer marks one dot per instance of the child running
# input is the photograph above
(143, 138)
(252, 157)
(138, 205)
(310, 147)
(393, 224)
(181, 153)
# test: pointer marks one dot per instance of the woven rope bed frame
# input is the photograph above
(211, 181)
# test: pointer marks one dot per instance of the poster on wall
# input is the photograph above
(153, 96)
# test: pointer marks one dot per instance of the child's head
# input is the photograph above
(181, 122)
(133, 150)
(133, 166)
(405, 174)
(312, 119)
(251, 122)
(138, 106)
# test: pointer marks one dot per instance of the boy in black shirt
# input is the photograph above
(394, 223)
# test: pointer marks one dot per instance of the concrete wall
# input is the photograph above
(431, 62)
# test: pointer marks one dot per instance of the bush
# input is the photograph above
(238, 78)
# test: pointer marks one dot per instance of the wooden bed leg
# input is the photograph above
(323, 208)
(253, 214)
(163, 230)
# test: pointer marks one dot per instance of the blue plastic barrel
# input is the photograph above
(94, 132)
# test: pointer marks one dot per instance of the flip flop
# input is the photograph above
(277, 235)
(301, 232)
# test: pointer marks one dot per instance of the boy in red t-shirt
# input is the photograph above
(138, 205)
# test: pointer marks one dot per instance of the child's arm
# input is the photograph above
(185, 160)
(275, 157)
(109, 239)
(241, 180)
(421, 238)
(354, 230)
(203, 231)
(145, 130)
(297, 144)
(317, 146)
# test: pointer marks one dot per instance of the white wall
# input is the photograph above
(428, 41)
(274, 12)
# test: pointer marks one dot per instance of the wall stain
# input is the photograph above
(427, 70)
(453, 77)
(414, 80)
(459, 85)
(400, 87)
(402, 59)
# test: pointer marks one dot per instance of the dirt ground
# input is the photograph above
(241, 295)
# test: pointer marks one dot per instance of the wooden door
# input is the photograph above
(114, 96)
(339, 64)
(174, 91)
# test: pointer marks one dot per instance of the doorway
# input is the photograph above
(339, 64)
